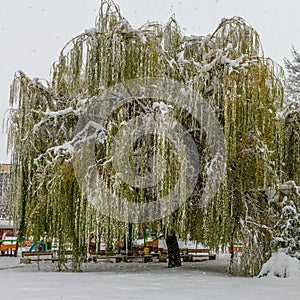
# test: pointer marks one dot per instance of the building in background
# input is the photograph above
(5, 211)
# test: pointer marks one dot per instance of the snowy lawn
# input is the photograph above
(198, 280)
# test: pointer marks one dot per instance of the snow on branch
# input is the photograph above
(66, 150)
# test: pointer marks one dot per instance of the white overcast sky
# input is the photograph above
(32, 32)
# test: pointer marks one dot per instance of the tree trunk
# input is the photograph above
(130, 237)
(231, 247)
(173, 251)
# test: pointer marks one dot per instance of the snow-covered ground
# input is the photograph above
(197, 280)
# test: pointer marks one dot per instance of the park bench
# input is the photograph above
(9, 246)
(188, 254)
(107, 258)
(30, 256)
(142, 258)
(36, 256)
(120, 258)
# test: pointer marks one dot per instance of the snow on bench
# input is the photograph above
(188, 254)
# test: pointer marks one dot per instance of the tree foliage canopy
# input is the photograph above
(227, 68)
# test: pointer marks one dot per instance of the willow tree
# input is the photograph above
(230, 73)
